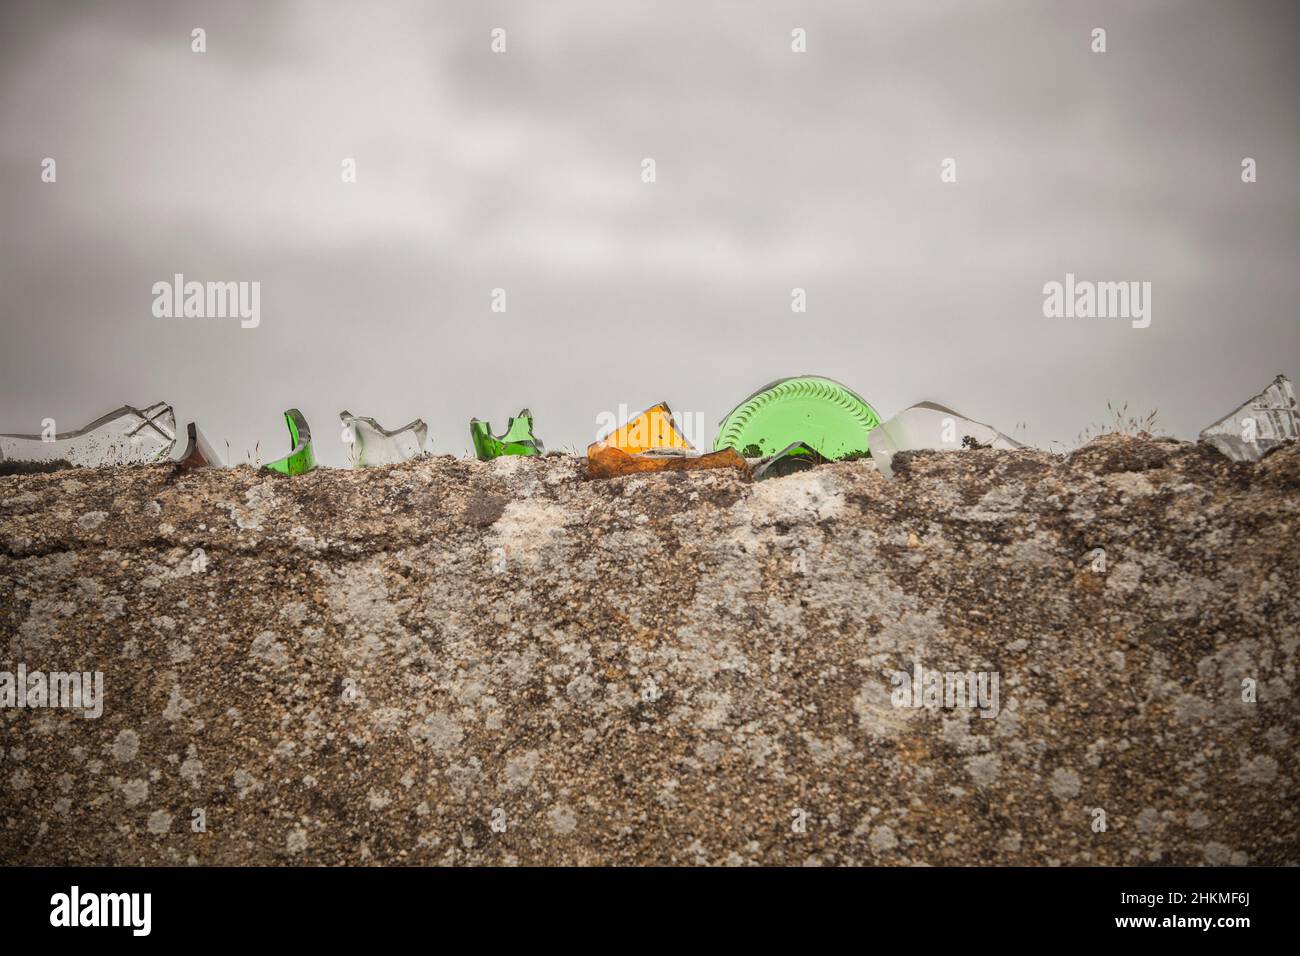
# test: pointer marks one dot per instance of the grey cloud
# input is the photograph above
(522, 171)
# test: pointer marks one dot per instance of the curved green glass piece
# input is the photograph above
(517, 440)
(831, 419)
(301, 459)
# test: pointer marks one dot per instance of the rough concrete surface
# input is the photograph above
(459, 662)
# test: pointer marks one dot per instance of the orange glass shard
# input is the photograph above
(606, 461)
(652, 430)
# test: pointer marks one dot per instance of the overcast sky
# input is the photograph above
(522, 171)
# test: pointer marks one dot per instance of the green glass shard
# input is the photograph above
(301, 458)
(829, 418)
(517, 440)
(798, 456)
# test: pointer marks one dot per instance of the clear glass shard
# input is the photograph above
(933, 427)
(125, 436)
(373, 445)
(301, 458)
(654, 430)
(830, 418)
(517, 440)
(198, 453)
(1261, 424)
(795, 457)
(606, 461)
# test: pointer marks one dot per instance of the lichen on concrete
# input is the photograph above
(460, 662)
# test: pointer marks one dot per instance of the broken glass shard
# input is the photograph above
(799, 456)
(125, 436)
(654, 430)
(517, 440)
(372, 444)
(928, 426)
(1261, 424)
(829, 418)
(198, 452)
(606, 461)
(301, 458)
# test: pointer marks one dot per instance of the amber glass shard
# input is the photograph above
(517, 440)
(198, 453)
(798, 456)
(301, 458)
(652, 430)
(606, 461)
